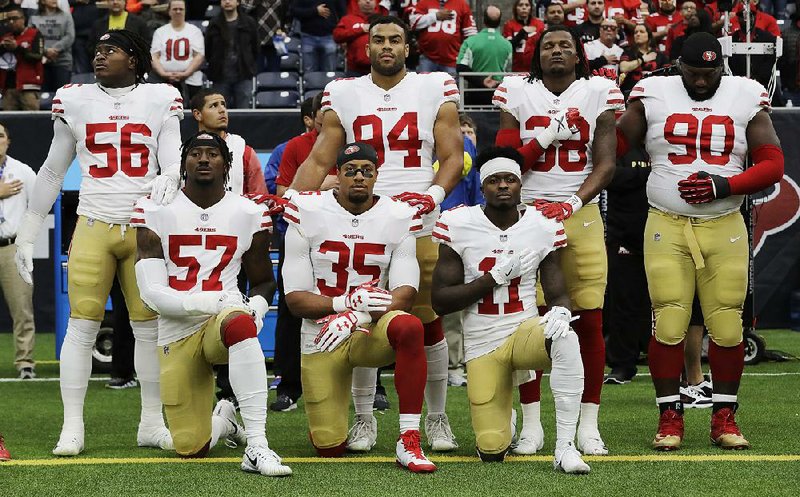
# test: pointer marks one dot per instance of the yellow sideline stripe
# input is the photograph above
(382, 459)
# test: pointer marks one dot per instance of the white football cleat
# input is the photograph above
(227, 411)
(590, 444)
(437, 431)
(410, 455)
(69, 444)
(527, 446)
(568, 460)
(157, 437)
(262, 459)
(363, 434)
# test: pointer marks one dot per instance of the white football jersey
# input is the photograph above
(117, 143)
(176, 49)
(685, 136)
(347, 250)
(236, 146)
(203, 248)
(564, 166)
(468, 231)
(398, 123)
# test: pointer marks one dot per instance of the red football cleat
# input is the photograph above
(670, 431)
(725, 432)
(4, 455)
(410, 455)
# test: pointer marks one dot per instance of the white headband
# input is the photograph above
(500, 165)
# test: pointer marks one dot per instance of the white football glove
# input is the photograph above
(337, 327)
(165, 188)
(556, 322)
(259, 308)
(559, 129)
(506, 268)
(26, 236)
(364, 298)
(212, 303)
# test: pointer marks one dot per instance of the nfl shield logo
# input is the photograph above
(387, 97)
(204, 217)
(503, 238)
(657, 237)
(354, 222)
(117, 105)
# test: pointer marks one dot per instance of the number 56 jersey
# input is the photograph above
(685, 136)
(203, 248)
(479, 243)
(117, 143)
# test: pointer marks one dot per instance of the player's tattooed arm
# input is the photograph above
(323, 155)
(604, 159)
(449, 293)
(449, 145)
(631, 127)
(258, 267)
(148, 245)
(553, 283)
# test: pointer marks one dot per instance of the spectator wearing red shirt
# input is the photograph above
(379, 7)
(688, 9)
(523, 30)
(443, 26)
(661, 21)
(764, 21)
(626, 13)
(353, 30)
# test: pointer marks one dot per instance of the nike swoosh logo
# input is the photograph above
(733, 240)
(254, 462)
(587, 224)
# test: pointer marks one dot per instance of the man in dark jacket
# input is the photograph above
(317, 20)
(231, 51)
(118, 18)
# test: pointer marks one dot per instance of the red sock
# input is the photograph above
(593, 352)
(411, 367)
(727, 363)
(666, 361)
(532, 391)
(238, 329)
(433, 332)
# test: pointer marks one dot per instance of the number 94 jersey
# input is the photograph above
(564, 166)
(479, 243)
(685, 136)
(203, 248)
(117, 143)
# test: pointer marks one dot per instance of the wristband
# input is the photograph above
(259, 305)
(437, 193)
(338, 303)
(575, 202)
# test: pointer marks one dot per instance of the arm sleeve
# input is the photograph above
(51, 175)
(169, 146)
(253, 174)
(404, 269)
(153, 281)
(298, 273)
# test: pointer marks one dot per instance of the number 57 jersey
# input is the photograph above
(117, 143)
(202, 248)
(479, 243)
(685, 136)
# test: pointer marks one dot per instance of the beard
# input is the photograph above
(399, 64)
(701, 97)
(358, 197)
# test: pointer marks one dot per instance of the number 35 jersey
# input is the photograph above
(117, 143)
(203, 248)
(685, 136)
(564, 166)
(479, 243)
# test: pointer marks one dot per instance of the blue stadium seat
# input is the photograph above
(318, 80)
(277, 99)
(46, 100)
(277, 81)
(202, 25)
(311, 93)
(293, 44)
(85, 78)
(290, 62)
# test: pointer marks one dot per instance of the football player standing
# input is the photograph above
(698, 128)
(406, 117)
(487, 267)
(123, 131)
(351, 267)
(562, 122)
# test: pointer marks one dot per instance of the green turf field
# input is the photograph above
(30, 419)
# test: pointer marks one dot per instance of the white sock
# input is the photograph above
(220, 428)
(436, 386)
(363, 389)
(409, 422)
(588, 422)
(248, 377)
(722, 397)
(75, 370)
(531, 419)
(671, 398)
(566, 382)
(145, 361)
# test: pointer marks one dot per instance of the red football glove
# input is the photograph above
(702, 188)
(554, 210)
(275, 204)
(422, 201)
(606, 72)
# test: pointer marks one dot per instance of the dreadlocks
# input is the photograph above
(201, 139)
(132, 44)
(581, 68)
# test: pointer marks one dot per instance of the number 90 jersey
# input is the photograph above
(117, 143)
(685, 136)
(564, 166)
(467, 230)
(203, 248)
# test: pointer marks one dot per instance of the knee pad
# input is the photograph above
(327, 444)
(186, 448)
(493, 443)
(405, 329)
(499, 457)
(87, 307)
(671, 324)
(725, 327)
(238, 328)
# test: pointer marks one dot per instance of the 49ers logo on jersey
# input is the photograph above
(776, 211)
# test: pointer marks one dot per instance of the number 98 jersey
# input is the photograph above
(685, 136)
(117, 143)
(479, 243)
(564, 166)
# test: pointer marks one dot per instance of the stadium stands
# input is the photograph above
(277, 99)
(318, 80)
(277, 81)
